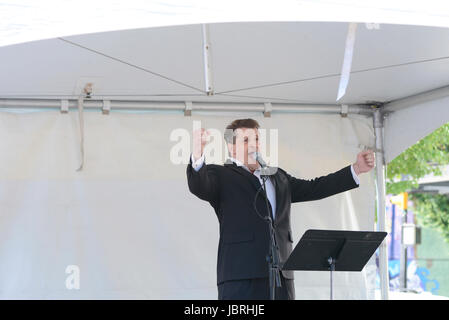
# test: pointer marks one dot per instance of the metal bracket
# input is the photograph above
(188, 109)
(88, 89)
(344, 110)
(106, 107)
(64, 106)
(267, 110)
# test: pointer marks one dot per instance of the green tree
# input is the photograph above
(423, 158)
(433, 211)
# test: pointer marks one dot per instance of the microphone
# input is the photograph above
(265, 169)
(258, 157)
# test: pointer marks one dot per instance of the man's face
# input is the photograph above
(247, 142)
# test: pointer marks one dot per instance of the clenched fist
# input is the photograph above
(200, 139)
(364, 162)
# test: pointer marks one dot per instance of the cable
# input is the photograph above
(255, 206)
(336, 74)
(130, 64)
(280, 83)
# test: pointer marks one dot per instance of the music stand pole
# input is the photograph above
(332, 269)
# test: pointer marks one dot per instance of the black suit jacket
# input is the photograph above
(244, 236)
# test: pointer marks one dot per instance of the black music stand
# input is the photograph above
(334, 250)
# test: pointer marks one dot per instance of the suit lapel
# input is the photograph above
(275, 179)
(256, 183)
(252, 178)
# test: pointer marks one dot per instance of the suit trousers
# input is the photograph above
(255, 289)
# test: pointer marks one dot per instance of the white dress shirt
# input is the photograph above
(271, 191)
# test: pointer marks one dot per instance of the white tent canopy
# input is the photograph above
(27, 20)
(398, 73)
(287, 64)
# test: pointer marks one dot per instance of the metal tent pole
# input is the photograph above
(139, 105)
(381, 210)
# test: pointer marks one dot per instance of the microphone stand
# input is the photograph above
(273, 254)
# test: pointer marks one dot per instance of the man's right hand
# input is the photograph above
(200, 139)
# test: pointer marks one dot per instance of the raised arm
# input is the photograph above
(321, 187)
(202, 179)
(342, 180)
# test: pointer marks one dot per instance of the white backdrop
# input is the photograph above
(128, 221)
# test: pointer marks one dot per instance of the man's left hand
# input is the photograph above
(365, 162)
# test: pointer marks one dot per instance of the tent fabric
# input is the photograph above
(27, 20)
(292, 63)
(400, 50)
(279, 62)
(127, 220)
(407, 126)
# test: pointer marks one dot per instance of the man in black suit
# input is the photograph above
(242, 269)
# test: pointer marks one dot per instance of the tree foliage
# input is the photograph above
(423, 158)
(433, 211)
